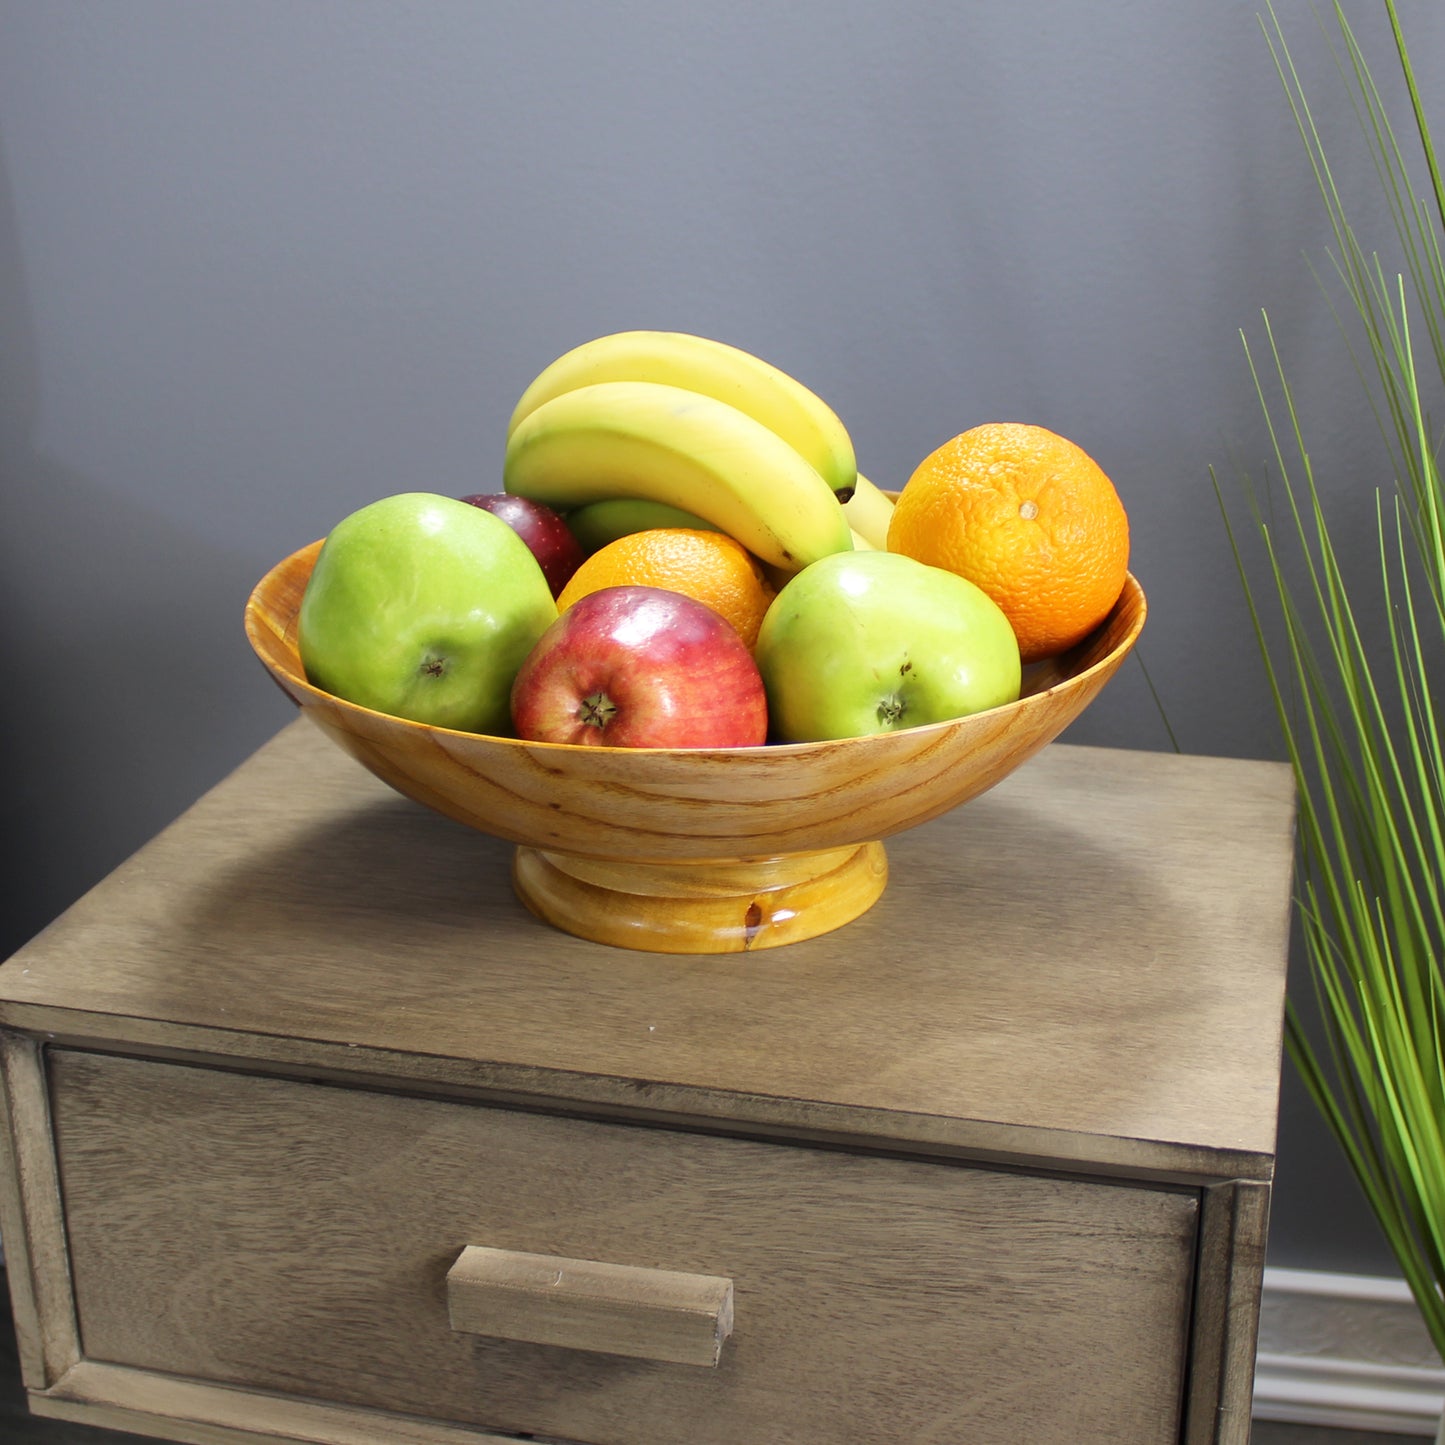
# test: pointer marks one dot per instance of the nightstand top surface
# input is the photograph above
(1086, 963)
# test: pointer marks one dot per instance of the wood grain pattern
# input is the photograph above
(693, 807)
(32, 1220)
(1232, 1236)
(701, 907)
(1086, 964)
(594, 1305)
(105, 1398)
(297, 1238)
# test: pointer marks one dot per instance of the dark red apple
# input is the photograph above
(557, 551)
(640, 667)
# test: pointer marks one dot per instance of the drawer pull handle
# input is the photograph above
(580, 1304)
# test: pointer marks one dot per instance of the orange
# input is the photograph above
(709, 566)
(1027, 516)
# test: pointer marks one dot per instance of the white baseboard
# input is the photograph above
(1347, 1351)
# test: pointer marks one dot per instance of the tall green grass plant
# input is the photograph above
(1355, 659)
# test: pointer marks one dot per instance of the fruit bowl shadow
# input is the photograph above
(696, 851)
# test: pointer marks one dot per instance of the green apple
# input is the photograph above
(423, 607)
(870, 642)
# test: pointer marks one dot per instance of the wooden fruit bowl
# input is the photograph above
(694, 851)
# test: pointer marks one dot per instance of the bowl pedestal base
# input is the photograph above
(701, 907)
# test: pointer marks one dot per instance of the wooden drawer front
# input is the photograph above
(297, 1237)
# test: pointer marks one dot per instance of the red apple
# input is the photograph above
(557, 551)
(640, 667)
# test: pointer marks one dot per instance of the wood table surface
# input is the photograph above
(1085, 964)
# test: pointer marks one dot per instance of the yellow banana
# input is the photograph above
(869, 510)
(862, 544)
(667, 444)
(726, 373)
(599, 523)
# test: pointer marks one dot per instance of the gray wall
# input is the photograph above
(263, 261)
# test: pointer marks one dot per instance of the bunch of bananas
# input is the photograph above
(661, 428)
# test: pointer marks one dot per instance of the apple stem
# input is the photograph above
(596, 711)
(890, 710)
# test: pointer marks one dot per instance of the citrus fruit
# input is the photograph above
(1030, 518)
(708, 566)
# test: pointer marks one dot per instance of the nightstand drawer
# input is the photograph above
(294, 1237)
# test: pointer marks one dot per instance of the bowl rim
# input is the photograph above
(1113, 657)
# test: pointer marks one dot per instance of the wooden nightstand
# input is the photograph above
(305, 1113)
